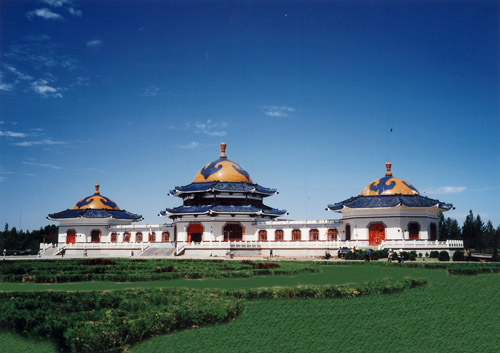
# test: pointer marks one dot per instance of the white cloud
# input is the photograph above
(75, 12)
(446, 190)
(19, 74)
(190, 146)
(55, 3)
(34, 63)
(45, 90)
(94, 43)
(2, 178)
(45, 14)
(39, 142)
(44, 165)
(150, 92)
(209, 128)
(6, 86)
(12, 134)
(275, 111)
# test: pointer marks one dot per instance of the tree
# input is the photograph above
(472, 232)
(495, 256)
(448, 228)
(454, 231)
(488, 239)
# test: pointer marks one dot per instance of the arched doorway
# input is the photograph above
(262, 235)
(195, 232)
(165, 237)
(347, 232)
(233, 232)
(114, 237)
(138, 237)
(70, 236)
(126, 237)
(95, 236)
(152, 237)
(376, 234)
(433, 231)
(413, 230)
(278, 235)
(296, 235)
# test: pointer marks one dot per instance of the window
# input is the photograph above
(165, 237)
(114, 237)
(296, 235)
(152, 237)
(278, 235)
(126, 237)
(413, 230)
(433, 231)
(313, 235)
(138, 237)
(262, 235)
(331, 234)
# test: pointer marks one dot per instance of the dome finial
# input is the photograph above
(96, 189)
(223, 150)
(388, 166)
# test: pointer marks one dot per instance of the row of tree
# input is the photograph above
(15, 241)
(474, 232)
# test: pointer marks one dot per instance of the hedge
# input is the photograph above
(111, 321)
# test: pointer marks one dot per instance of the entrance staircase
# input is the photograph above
(158, 252)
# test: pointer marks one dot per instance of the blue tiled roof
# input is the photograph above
(226, 186)
(222, 209)
(389, 201)
(93, 213)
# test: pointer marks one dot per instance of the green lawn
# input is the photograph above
(451, 314)
(13, 343)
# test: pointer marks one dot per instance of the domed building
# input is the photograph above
(389, 211)
(223, 211)
(90, 223)
(221, 204)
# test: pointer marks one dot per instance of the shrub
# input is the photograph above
(434, 254)
(458, 256)
(443, 256)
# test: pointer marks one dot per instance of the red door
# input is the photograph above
(376, 234)
(70, 236)
(195, 232)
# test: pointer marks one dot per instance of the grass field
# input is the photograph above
(450, 314)
(328, 275)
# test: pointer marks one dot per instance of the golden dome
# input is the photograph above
(222, 170)
(389, 185)
(96, 201)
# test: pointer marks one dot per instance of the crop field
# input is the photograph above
(325, 308)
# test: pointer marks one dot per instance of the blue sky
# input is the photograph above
(137, 96)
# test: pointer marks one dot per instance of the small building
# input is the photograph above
(390, 213)
(87, 225)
